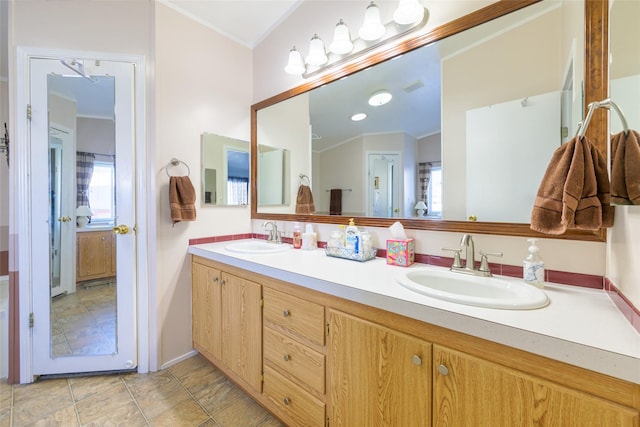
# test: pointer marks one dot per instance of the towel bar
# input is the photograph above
(175, 162)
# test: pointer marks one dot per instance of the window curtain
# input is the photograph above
(84, 172)
(237, 191)
(424, 174)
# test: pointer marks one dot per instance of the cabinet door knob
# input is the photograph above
(417, 360)
(286, 401)
(215, 279)
(443, 370)
(287, 357)
(222, 282)
(286, 313)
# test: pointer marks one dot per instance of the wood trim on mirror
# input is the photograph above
(596, 53)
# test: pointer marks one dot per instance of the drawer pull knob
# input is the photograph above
(286, 313)
(215, 279)
(417, 360)
(286, 401)
(287, 357)
(443, 370)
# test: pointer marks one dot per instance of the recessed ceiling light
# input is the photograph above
(358, 116)
(380, 98)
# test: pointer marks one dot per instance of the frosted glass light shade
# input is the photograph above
(317, 54)
(420, 208)
(83, 210)
(380, 98)
(341, 39)
(295, 64)
(372, 28)
(408, 12)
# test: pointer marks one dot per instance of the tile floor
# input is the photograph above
(190, 393)
(84, 322)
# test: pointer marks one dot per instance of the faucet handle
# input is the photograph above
(484, 262)
(457, 262)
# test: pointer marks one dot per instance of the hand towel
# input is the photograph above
(335, 202)
(574, 193)
(304, 200)
(182, 199)
(625, 168)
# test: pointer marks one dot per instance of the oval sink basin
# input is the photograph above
(257, 247)
(490, 292)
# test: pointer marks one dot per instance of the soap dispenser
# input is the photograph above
(533, 266)
(352, 237)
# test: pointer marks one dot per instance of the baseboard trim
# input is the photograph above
(178, 359)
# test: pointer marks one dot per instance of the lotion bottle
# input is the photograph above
(352, 237)
(533, 266)
(297, 236)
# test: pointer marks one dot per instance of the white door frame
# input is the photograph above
(20, 207)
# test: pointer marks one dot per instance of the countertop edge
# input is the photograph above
(600, 360)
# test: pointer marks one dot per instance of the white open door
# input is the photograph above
(57, 91)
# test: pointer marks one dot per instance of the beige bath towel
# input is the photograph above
(625, 168)
(304, 200)
(182, 199)
(574, 193)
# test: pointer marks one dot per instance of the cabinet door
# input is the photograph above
(473, 391)
(94, 255)
(206, 310)
(242, 328)
(378, 377)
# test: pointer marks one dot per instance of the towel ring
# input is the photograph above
(173, 163)
(304, 178)
(608, 104)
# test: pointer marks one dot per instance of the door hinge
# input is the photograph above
(28, 111)
(262, 377)
(327, 422)
(261, 302)
(327, 328)
(31, 320)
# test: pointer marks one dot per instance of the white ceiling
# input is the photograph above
(245, 21)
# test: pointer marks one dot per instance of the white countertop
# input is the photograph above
(580, 326)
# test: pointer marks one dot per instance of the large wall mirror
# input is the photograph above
(478, 106)
(624, 84)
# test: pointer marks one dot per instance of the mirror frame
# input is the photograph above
(595, 89)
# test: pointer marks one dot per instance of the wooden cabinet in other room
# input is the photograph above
(95, 255)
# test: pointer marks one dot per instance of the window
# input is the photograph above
(102, 192)
(434, 192)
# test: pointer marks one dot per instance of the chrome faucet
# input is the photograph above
(469, 267)
(274, 234)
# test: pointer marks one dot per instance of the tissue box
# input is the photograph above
(401, 252)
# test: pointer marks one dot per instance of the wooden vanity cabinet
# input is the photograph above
(377, 376)
(95, 255)
(472, 391)
(227, 321)
(294, 358)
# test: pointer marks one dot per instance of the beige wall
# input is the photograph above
(96, 136)
(203, 84)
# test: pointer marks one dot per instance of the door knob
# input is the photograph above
(64, 219)
(121, 229)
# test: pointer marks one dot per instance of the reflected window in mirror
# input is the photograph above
(102, 192)
(225, 171)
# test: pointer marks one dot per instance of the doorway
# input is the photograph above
(383, 184)
(115, 300)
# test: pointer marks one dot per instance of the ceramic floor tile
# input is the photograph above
(111, 401)
(126, 414)
(37, 401)
(187, 413)
(66, 417)
(83, 387)
(236, 408)
(160, 399)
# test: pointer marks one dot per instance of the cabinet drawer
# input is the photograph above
(295, 406)
(297, 360)
(302, 317)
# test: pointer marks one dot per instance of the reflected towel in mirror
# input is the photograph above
(574, 193)
(304, 200)
(335, 202)
(182, 199)
(625, 168)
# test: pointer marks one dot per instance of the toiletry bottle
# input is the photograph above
(297, 236)
(533, 266)
(309, 239)
(352, 237)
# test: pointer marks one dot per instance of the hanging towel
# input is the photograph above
(335, 202)
(304, 200)
(182, 199)
(625, 168)
(574, 193)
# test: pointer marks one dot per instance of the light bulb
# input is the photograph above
(372, 28)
